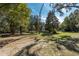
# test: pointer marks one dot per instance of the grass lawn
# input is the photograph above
(59, 34)
(72, 34)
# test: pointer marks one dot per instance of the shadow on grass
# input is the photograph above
(48, 34)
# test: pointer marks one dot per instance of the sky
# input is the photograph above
(35, 7)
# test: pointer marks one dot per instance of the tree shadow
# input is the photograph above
(48, 34)
(71, 44)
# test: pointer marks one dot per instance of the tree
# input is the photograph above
(31, 25)
(51, 23)
(57, 7)
(17, 16)
(71, 22)
(37, 23)
(24, 16)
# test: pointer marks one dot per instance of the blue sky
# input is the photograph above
(35, 7)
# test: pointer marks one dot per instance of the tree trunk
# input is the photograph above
(20, 30)
(12, 29)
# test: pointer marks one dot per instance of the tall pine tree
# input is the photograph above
(51, 23)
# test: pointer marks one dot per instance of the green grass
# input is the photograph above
(72, 34)
(59, 35)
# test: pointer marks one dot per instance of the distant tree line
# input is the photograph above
(50, 26)
(71, 22)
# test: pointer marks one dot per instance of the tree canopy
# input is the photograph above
(51, 22)
(15, 15)
(71, 22)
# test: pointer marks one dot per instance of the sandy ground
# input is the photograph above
(14, 47)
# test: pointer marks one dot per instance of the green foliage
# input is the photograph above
(51, 23)
(16, 16)
(34, 23)
(57, 7)
(71, 23)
